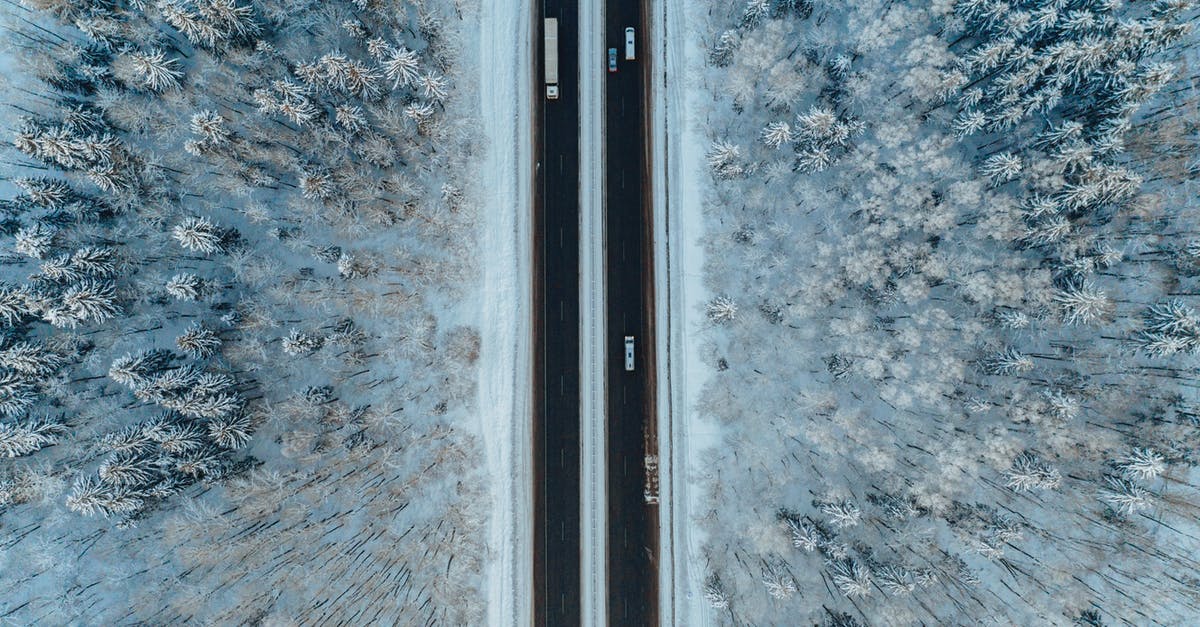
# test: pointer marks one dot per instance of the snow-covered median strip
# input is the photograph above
(593, 565)
(505, 53)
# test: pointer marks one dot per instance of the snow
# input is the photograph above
(505, 354)
(679, 146)
(592, 319)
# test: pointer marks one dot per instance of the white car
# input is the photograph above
(629, 353)
(629, 43)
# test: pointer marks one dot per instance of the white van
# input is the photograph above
(629, 44)
(629, 353)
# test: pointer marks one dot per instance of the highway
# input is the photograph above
(632, 524)
(556, 576)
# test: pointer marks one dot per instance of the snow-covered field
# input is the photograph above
(935, 361)
(265, 328)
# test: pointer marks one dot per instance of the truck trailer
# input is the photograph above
(550, 48)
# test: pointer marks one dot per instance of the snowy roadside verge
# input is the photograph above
(679, 144)
(593, 431)
(505, 52)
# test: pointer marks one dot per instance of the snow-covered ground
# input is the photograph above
(504, 52)
(679, 145)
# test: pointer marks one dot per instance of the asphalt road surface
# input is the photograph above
(556, 575)
(632, 523)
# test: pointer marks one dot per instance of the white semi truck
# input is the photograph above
(550, 47)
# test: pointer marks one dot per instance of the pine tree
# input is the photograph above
(44, 192)
(186, 286)
(89, 496)
(401, 66)
(179, 438)
(126, 469)
(1028, 473)
(31, 359)
(1001, 168)
(1142, 464)
(199, 234)
(17, 394)
(230, 432)
(1007, 362)
(28, 435)
(299, 343)
(198, 341)
(135, 371)
(89, 300)
(13, 305)
(210, 126)
(34, 240)
(156, 72)
(1083, 304)
(721, 309)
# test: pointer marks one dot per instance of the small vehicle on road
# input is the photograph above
(612, 60)
(629, 56)
(629, 353)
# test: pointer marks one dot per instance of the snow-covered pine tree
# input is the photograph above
(135, 371)
(198, 341)
(200, 235)
(186, 286)
(31, 359)
(27, 435)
